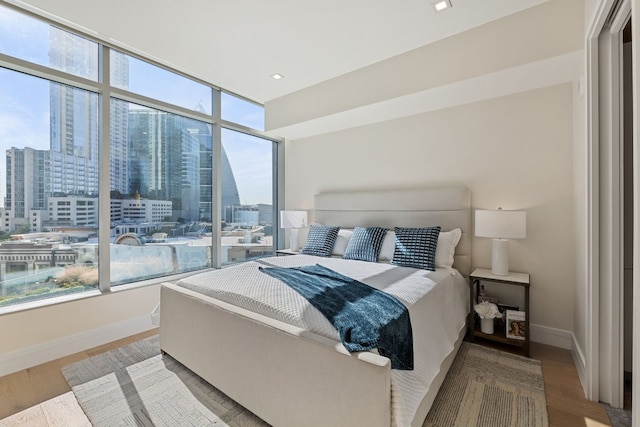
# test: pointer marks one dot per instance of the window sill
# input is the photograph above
(33, 305)
(45, 302)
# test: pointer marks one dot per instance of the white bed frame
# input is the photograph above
(292, 377)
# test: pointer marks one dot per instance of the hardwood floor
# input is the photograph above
(40, 396)
(34, 386)
(566, 404)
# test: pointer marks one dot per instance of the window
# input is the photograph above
(241, 111)
(46, 135)
(247, 182)
(162, 172)
(160, 155)
(32, 40)
(134, 75)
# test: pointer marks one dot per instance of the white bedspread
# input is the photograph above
(437, 302)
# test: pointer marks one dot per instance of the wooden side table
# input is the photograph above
(512, 279)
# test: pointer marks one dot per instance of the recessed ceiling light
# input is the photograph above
(277, 76)
(441, 5)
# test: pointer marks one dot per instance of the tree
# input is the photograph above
(22, 230)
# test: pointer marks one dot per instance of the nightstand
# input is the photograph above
(284, 252)
(512, 279)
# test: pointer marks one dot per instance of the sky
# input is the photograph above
(24, 107)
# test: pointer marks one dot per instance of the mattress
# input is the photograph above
(437, 303)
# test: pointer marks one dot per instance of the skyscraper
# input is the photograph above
(74, 119)
(74, 130)
(170, 158)
(27, 173)
(229, 196)
(74, 141)
(164, 160)
(154, 154)
(119, 127)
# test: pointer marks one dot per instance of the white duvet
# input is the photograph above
(437, 303)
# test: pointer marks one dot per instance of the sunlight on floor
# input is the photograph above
(588, 422)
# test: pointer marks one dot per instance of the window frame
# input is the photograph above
(106, 92)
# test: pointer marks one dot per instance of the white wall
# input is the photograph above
(35, 336)
(492, 108)
(514, 151)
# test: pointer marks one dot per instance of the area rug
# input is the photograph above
(136, 386)
(487, 387)
(618, 417)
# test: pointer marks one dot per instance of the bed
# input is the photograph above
(291, 369)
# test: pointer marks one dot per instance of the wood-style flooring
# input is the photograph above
(40, 396)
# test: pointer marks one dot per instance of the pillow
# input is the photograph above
(416, 247)
(447, 242)
(344, 235)
(365, 244)
(320, 240)
(388, 246)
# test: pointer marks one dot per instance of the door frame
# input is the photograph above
(604, 376)
(604, 361)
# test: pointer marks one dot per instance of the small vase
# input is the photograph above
(486, 326)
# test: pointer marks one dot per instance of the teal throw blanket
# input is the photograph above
(365, 317)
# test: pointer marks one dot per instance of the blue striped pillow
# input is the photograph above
(416, 247)
(320, 240)
(365, 244)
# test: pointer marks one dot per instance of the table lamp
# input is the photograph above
(293, 221)
(501, 225)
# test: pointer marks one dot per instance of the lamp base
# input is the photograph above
(294, 239)
(500, 257)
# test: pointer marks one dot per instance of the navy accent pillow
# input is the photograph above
(365, 244)
(416, 247)
(320, 240)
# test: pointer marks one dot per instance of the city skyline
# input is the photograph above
(159, 167)
(26, 111)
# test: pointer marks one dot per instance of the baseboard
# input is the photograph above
(45, 352)
(551, 336)
(580, 361)
(28, 357)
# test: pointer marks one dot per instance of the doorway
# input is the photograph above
(612, 142)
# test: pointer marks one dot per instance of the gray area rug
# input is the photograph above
(618, 417)
(136, 386)
(487, 387)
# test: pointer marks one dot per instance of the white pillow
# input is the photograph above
(344, 235)
(447, 242)
(388, 247)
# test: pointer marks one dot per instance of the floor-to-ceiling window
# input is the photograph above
(248, 215)
(121, 168)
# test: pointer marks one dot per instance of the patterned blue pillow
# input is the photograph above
(365, 244)
(416, 247)
(320, 240)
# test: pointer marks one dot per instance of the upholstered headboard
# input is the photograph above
(446, 207)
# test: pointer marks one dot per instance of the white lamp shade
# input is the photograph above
(501, 224)
(293, 219)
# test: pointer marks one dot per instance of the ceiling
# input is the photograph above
(238, 45)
